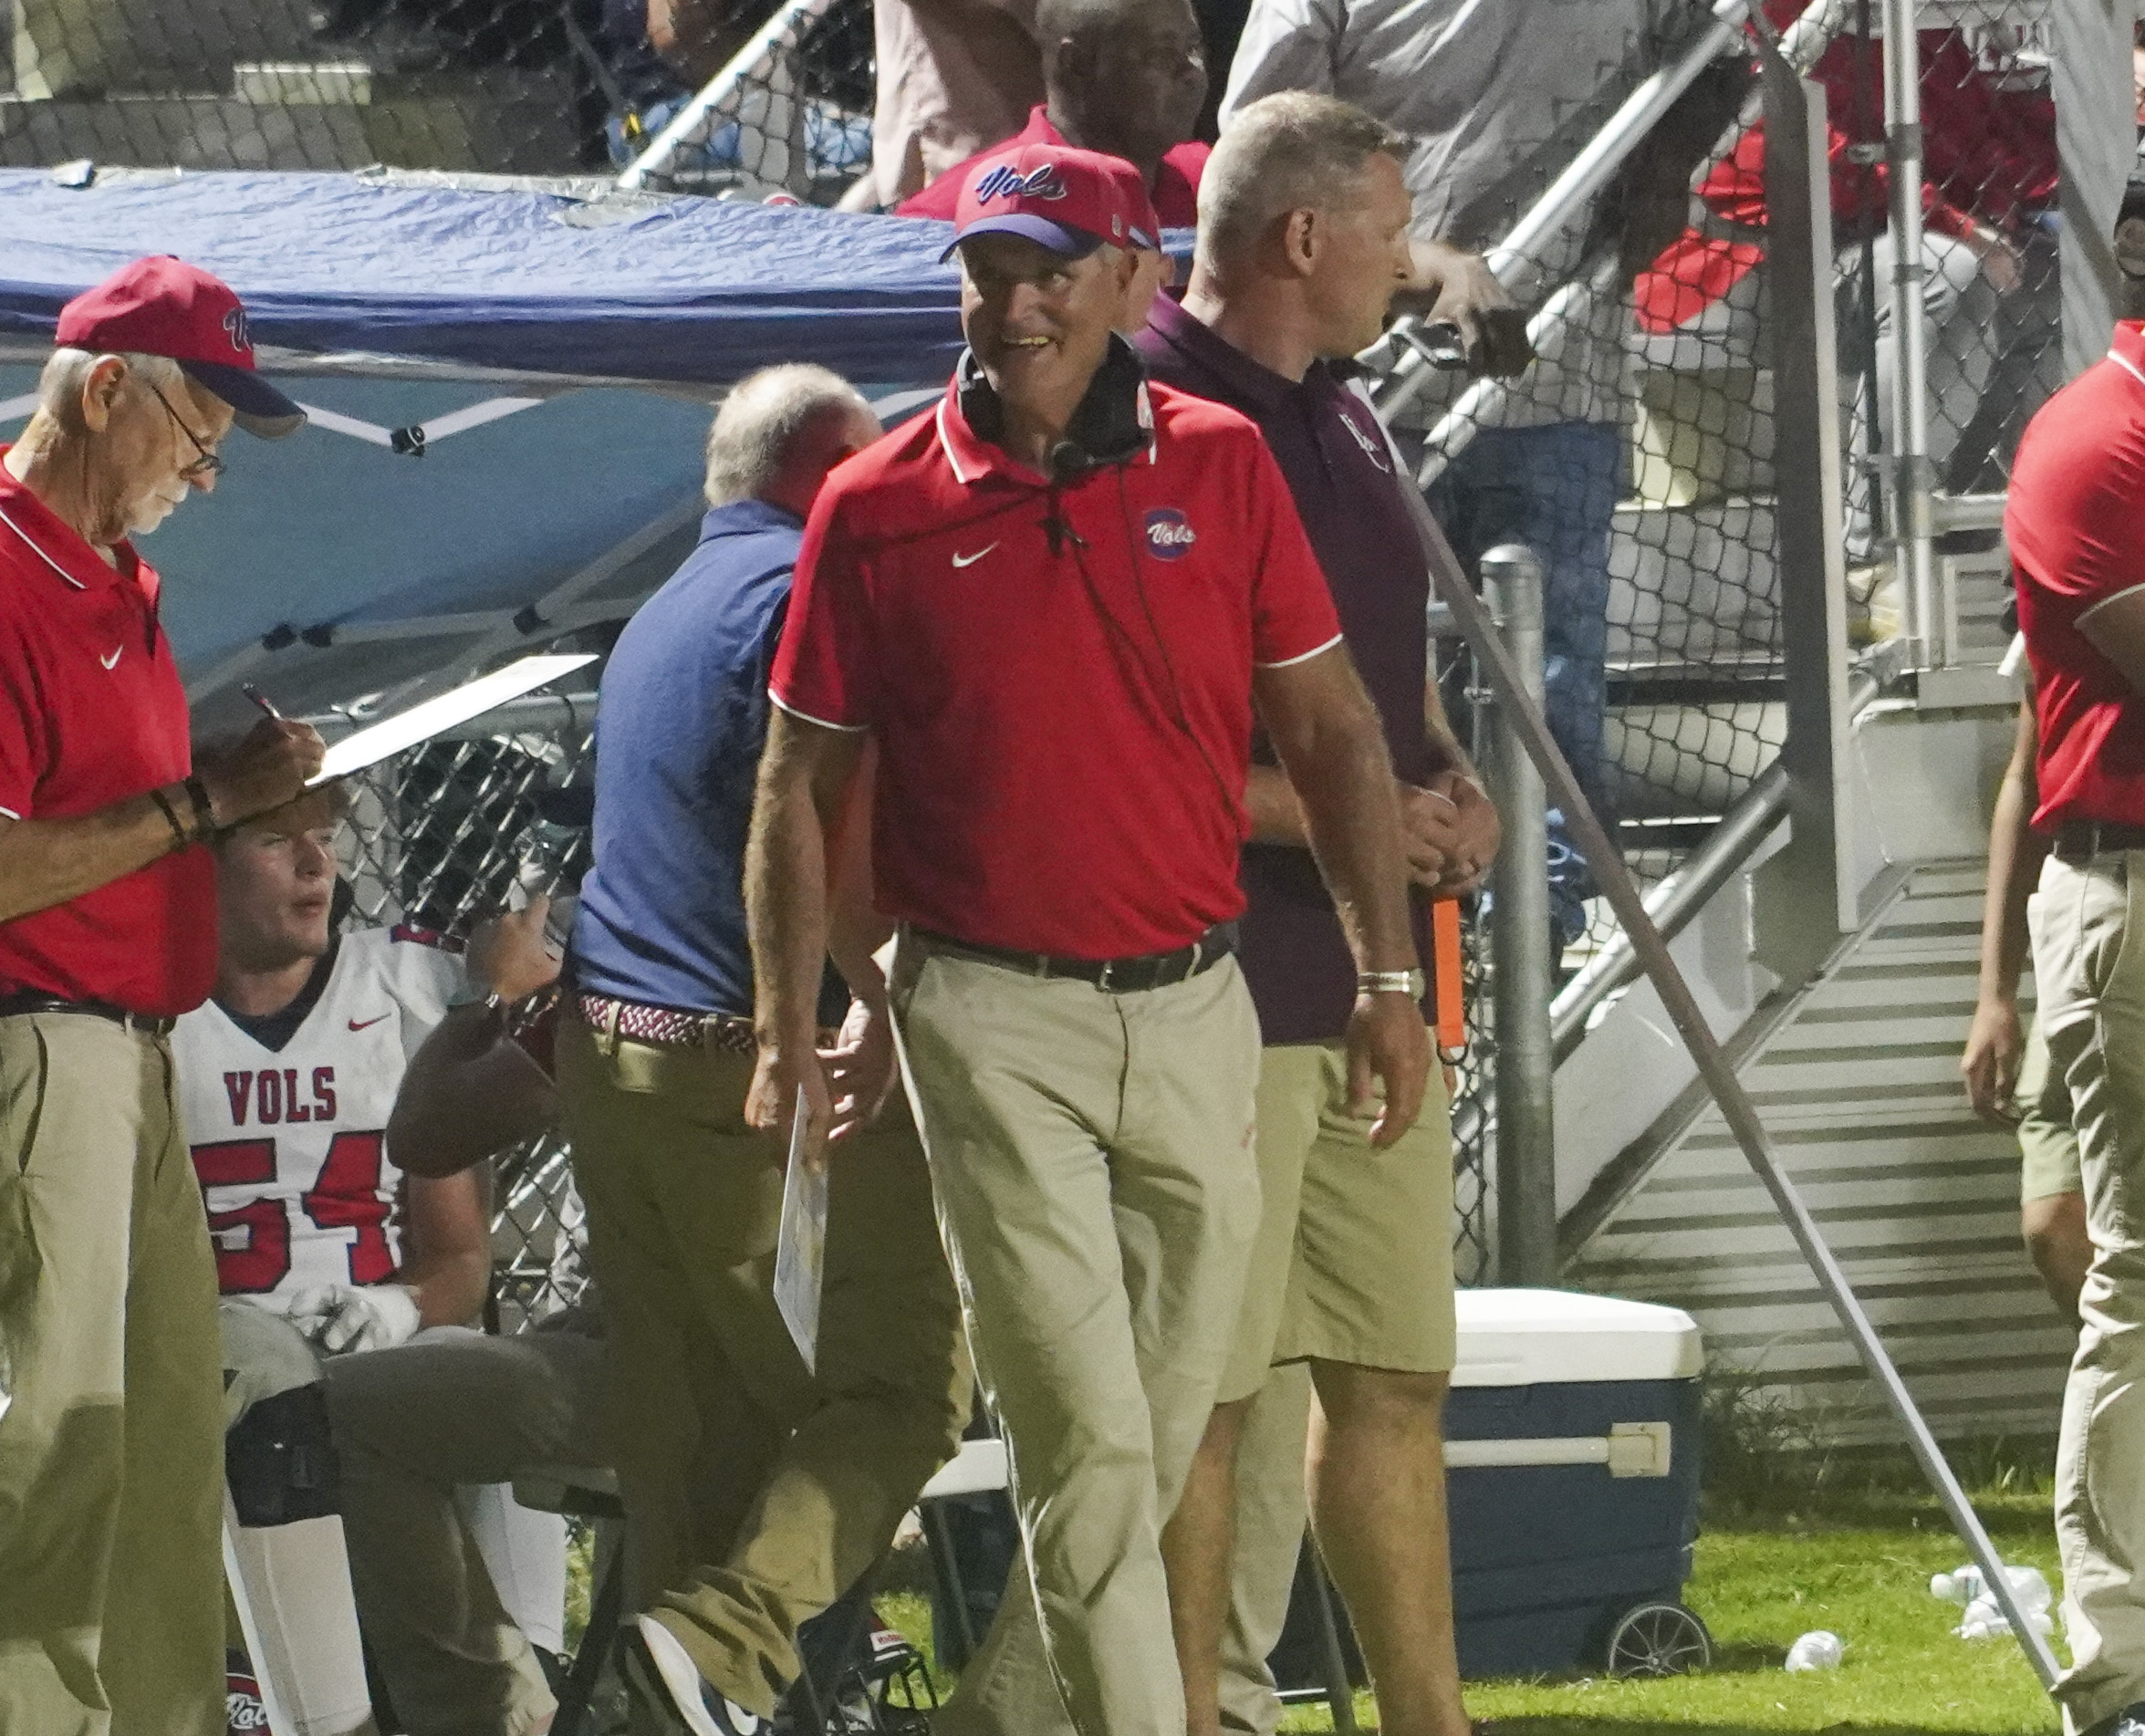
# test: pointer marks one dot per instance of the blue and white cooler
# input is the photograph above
(1571, 1447)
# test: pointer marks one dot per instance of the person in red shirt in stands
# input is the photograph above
(1125, 77)
(1989, 176)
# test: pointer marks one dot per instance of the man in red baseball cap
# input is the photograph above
(164, 306)
(1053, 608)
(112, 1388)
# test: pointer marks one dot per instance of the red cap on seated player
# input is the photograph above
(164, 306)
(1069, 200)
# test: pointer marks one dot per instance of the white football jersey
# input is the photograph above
(289, 1143)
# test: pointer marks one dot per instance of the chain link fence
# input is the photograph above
(439, 838)
(550, 87)
(1636, 455)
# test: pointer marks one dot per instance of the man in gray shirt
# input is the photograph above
(1498, 99)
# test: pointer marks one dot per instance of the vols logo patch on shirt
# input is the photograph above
(1169, 534)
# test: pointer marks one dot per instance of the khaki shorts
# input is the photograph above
(2047, 1144)
(1354, 1257)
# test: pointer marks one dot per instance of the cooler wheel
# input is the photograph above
(1658, 1640)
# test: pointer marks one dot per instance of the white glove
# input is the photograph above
(343, 1316)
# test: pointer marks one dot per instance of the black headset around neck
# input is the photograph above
(1110, 426)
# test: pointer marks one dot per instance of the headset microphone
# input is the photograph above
(1067, 459)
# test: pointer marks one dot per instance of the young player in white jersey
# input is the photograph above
(287, 1080)
(287, 1117)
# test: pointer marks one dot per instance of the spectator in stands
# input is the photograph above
(758, 1488)
(2075, 526)
(1496, 99)
(1124, 78)
(2008, 1078)
(326, 1247)
(112, 1447)
(955, 77)
(1990, 174)
(1047, 611)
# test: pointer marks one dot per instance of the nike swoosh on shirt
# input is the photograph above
(970, 560)
(368, 1024)
(113, 660)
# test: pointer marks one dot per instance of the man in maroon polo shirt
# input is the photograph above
(111, 1605)
(1303, 244)
(2076, 525)
(1125, 77)
(1051, 608)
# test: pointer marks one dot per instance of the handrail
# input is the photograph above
(783, 31)
(1732, 841)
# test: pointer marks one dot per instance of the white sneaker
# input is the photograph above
(661, 1678)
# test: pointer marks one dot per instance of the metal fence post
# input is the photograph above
(1914, 476)
(1519, 943)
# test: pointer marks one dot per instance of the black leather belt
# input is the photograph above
(1114, 976)
(2082, 840)
(15, 1005)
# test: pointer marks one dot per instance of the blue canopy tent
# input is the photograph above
(509, 384)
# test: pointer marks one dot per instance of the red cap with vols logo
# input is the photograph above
(165, 307)
(1066, 200)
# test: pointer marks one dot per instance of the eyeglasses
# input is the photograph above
(208, 463)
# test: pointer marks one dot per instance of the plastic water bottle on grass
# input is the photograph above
(1969, 1585)
(1819, 1650)
(1984, 1620)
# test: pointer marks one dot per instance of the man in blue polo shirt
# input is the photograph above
(756, 1490)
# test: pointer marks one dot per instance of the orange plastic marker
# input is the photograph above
(1445, 978)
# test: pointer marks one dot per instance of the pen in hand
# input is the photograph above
(260, 699)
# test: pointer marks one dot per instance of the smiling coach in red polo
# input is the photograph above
(1052, 607)
(112, 1601)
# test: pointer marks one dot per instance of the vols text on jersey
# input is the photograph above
(289, 1142)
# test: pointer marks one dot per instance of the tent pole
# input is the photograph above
(1525, 719)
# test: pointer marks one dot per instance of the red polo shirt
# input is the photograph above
(1064, 731)
(2076, 525)
(1175, 190)
(91, 713)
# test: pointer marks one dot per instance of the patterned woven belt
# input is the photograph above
(665, 1026)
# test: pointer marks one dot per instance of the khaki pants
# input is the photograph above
(2047, 1143)
(413, 1424)
(1354, 1265)
(111, 1579)
(755, 1492)
(1092, 1154)
(1272, 1512)
(2088, 927)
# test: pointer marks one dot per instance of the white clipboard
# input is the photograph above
(800, 1247)
(389, 736)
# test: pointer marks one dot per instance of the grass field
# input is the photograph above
(1860, 1567)
(1782, 1551)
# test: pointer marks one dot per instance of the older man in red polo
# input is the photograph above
(111, 1603)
